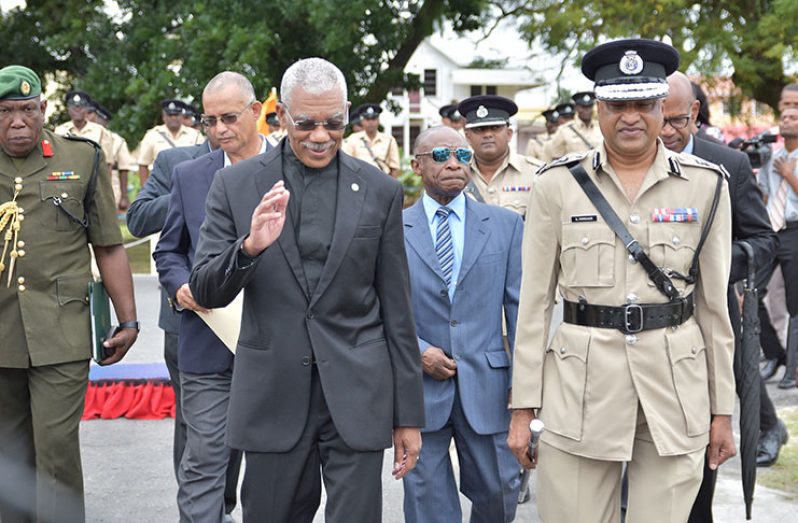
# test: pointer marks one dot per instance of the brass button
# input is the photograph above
(20, 244)
(20, 253)
(20, 210)
(21, 288)
(21, 280)
(17, 186)
(20, 218)
(64, 195)
(17, 180)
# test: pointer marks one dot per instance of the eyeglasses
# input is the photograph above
(335, 123)
(677, 122)
(227, 119)
(442, 154)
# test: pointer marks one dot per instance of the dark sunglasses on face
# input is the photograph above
(442, 154)
(227, 119)
(336, 123)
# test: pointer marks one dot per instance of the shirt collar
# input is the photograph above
(457, 205)
(228, 163)
(690, 146)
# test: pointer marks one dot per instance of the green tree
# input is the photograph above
(755, 36)
(136, 52)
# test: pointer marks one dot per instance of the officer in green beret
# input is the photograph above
(50, 211)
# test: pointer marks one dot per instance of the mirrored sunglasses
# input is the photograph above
(442, 154)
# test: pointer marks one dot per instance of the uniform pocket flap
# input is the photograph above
(61, 189)
(571, 342)
(498, 359)
(686, 342)
(585, 236)
(72, 288)
(674, 235)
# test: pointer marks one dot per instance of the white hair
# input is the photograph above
(314, 76)
(227, 79)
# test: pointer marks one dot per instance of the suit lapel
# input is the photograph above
(476, 236)
(271, 173)
(417, 235)
(350, 193)
(215, 162)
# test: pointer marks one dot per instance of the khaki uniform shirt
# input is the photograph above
(384, 150)
(589, 381)
(155, 141)
(120, 157)
(94, 132)
(535, 145)
(511, 185)
(568, 139)
(44, 313)
(275, 137)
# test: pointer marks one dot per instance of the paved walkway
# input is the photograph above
(128, 464)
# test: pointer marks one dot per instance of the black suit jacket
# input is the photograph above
(358, 324)
(750, 220)
(147, 213)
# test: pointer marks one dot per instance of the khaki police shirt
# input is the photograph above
(588, 381)
(568, 139)
(120, 157)
(94, 132)
(511, 185)
(155, 141)
(535, 145)
(384, 150)
(275, 137)
(44, 314)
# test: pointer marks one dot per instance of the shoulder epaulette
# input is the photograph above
(82, 139)
(689, 160)
(567, 161)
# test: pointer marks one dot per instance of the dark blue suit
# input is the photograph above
(470, 407)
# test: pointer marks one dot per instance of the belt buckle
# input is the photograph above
(632, 312)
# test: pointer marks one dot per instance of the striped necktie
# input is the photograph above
(443, 244)
(778, 207)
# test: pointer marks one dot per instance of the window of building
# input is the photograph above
(490, 89)
(430, 82)
(476, 90)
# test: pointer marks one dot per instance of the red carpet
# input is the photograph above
(132, 391)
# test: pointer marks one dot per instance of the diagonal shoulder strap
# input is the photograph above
(657, 275)
(581, 136)
(167, 139)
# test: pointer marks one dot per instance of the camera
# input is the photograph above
(757, 148)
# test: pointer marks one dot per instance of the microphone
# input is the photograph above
(536, 427)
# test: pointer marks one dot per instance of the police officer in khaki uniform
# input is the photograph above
(580, 134)
(120, 159)
(640, 370)
(498, 176)
(172, 133)
(534, 146)
(372, 146)
(276, 133)
(78, 106)
(49, 216)
(565, 113)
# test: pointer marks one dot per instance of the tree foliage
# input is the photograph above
(755, 36)
(132, 53)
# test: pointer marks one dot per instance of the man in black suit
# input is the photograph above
(328, 370)
(749, 222)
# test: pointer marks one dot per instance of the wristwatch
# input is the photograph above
(129, 325)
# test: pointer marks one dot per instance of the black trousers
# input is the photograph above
(285, 487)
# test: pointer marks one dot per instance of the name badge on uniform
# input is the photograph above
(676, 215)
(60, 176)
(579, 218)
(516, 188)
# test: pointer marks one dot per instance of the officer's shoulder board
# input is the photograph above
(534, 162)
(677, 161)
(565, 161)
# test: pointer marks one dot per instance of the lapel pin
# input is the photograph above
(355, 187)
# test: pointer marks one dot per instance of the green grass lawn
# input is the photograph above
(784, 474)
(139, 255)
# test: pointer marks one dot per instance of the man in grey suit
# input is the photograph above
(327, 369)
(465, 271)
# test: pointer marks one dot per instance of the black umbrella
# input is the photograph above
(746, 370)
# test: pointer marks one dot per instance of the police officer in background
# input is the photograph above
(276, 133)
(498, 176)
(580, 134)
(56, 200)
(78, 106)
(640, 370)
(120, 159)
(534, 146)
(372, 146)
(451, 117)
(565, 113)
(172, 133)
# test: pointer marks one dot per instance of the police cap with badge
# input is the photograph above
(451, 112)
(369, 111)
(565, 110)
(172, 106)
(484, 110)
(19, 83)
(77, 99)
(102, 112)
(584, 98)
(550, 115)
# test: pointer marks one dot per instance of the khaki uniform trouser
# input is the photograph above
(574, 489)
(41, 478)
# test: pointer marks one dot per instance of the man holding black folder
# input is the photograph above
(57, 199)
